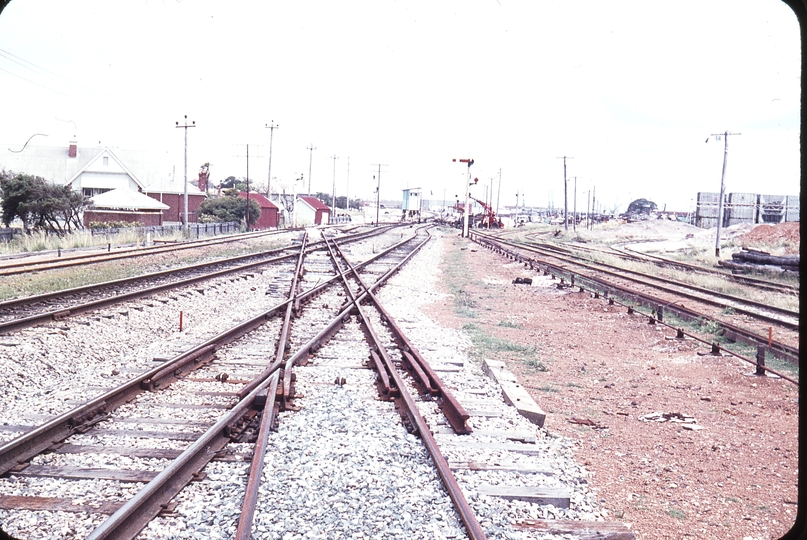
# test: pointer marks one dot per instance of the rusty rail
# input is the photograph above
(418, 423)
(244, 530)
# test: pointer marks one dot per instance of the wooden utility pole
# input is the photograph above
(378, 193)
(247, 209)
(333, 192)
(185, 198)
(271, 127)
(574, 209)
(565, 196)
(310, 158)
(499, 193)
(725, 136)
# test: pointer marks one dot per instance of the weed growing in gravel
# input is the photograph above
(574, 385)
(537, 365)
(486, 346)
(743, 349)
(676, 513)
(509, 324)
(455, 270)
(40, 283)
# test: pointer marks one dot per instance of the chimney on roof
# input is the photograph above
(71, 150)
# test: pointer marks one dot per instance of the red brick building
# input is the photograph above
(269, 210)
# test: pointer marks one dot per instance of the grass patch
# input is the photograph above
(509, 324)
(535, 364)
(676, 513)
(35, 283)
(574, 385)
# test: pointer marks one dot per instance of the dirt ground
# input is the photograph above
(732, 477)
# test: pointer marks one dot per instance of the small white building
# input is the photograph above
(311, 211)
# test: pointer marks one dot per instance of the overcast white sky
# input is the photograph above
(630, 89)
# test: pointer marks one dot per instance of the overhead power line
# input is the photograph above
(43, 72)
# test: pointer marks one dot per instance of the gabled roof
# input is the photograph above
(315, 203)
(262, 201)
(89, 166)
(53, 163)
(126, 199)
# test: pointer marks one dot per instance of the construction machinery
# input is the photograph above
(487, 219)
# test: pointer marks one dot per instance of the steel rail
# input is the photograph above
(133, 516)
(761, 283)
(789, 353)
(758, 305)
(415, 362)
(417, 422)
(616, 250)
(31, 443)
(245, 519)
(78, 260)
(27, 300)
(244, 528)
(716, 348)
(152, 275)
(61, 313)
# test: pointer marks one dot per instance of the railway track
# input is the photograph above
(144, 407)
(751, 328)
(625, 252)
(27, 311)
(58, 260)
(205, 417)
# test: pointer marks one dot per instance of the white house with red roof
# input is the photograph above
(311, 211)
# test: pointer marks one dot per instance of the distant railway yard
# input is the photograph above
(401, 381)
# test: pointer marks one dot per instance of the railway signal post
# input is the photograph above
(469, 162)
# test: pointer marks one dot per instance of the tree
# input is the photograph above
(39, 204)
(229, 207)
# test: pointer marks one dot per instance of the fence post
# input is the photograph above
(760, 360)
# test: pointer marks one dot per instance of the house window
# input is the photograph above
(106, 161)
(92, 192)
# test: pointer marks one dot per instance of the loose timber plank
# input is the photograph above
(515, 467)
(584, 530)
(557, 497)
(87, 473)
(529, 449)
(513, 393)
(56, 504)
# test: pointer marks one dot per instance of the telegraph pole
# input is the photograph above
(565, 196)
(271, 127)
(499, 193)
(333, 193)
(310, 157)
(725, 136)
(574, 208)
(185, 199)
(247, 209)
(593, 203)
(347, 188)
(247, 212)
(378, 193)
